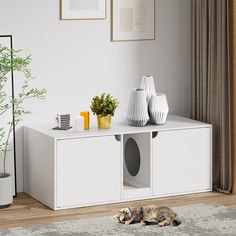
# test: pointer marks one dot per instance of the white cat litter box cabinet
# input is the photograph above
(67, 169)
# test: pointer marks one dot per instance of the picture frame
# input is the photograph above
(132, 20)
(7, 41)
(82, 9)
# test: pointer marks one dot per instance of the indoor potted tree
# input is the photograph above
(11, 60)
(104, 107)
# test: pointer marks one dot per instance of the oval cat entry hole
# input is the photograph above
(132, 157)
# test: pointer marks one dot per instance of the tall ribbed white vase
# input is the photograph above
(148, 85)
(158, 108)
(137, 114)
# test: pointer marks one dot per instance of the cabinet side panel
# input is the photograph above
(39, 166)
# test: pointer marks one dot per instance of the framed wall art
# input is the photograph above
(133, 20)
(83, 9)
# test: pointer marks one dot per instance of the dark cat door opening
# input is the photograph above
(132, 157)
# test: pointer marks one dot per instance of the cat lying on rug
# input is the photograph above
(147, 215)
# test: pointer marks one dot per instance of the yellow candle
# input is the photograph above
(85, 114)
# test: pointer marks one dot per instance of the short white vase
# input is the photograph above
(137, 114)
(158, 108)
(148, 85)
(5, 190)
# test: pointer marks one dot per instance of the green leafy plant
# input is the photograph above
(12, 60)
(104, 104)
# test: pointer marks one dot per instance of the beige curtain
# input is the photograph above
(211, 82)
(233, 86)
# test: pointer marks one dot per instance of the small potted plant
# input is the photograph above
(104, 107)
(11, 60)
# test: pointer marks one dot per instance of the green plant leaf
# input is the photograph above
(104, 104)
(12, 60)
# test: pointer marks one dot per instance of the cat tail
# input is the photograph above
(176, 221)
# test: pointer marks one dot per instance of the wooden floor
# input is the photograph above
(26, 210)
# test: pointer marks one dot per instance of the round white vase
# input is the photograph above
(158, 108)
(5, 190)
(148, 85)
(137, 114)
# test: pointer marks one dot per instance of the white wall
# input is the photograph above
(75, 60)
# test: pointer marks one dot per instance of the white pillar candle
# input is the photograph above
(79, 123)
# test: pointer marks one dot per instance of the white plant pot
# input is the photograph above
(148, 85)
(158, 108)
(137, 114)
(6, 195)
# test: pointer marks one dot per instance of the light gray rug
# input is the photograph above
(201, 219)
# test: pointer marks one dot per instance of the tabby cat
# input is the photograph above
(147, 215)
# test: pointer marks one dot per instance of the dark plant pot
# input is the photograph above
(6, 195)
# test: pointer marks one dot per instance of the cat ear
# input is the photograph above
(129, 211)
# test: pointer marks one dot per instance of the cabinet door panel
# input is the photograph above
(88, 171)
(182, 161)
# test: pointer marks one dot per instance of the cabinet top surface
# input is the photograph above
(173, 122)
